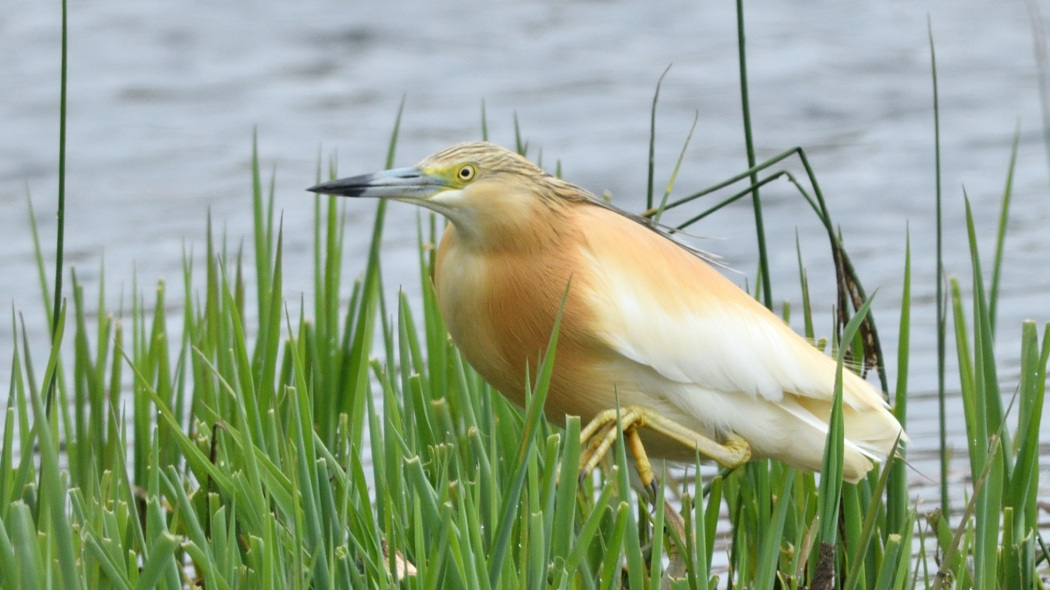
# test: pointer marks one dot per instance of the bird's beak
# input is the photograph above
(409, 184)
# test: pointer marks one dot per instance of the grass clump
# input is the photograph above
(235, 453)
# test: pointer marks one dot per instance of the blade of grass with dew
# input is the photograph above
(1020, 521)
(1023, 488)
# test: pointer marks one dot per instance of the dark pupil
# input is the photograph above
(464, 173)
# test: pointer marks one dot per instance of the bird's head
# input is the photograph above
(490, 194)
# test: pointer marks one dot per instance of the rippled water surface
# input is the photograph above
(165, 96)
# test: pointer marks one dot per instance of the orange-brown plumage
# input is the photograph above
(645, 321)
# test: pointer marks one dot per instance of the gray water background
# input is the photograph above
(164, 97)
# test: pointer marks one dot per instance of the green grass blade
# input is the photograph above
(652, 141)
(939, 279)
(1025, 482)
(161, 554)
(1000, 234)
(772, 536)
(867, 533)
(60, 213)
(745, 102)
(897, 500)
(674, 173)
(53, 491)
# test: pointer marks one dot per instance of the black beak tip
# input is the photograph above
(320, 189)
(337, 187)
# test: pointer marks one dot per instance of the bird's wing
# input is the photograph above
(662, 307)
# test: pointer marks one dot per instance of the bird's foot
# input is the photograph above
(600, 434)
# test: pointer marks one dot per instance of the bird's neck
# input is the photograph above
(525, 228)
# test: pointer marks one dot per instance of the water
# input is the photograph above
(165, 96)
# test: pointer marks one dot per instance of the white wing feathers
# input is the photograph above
(726, 361)
(695, 334)
(731, 350)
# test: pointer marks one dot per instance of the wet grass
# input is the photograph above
(344, 443)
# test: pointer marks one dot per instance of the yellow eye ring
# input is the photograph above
(466, 173)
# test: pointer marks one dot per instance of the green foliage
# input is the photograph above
(246, 445)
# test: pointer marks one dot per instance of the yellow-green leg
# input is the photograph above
(600, 434)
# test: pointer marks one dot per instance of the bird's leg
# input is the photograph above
(600, 434)
(641, 459)
(645, 471)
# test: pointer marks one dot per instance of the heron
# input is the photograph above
(653, 341)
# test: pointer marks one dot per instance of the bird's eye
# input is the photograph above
(466, 173)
